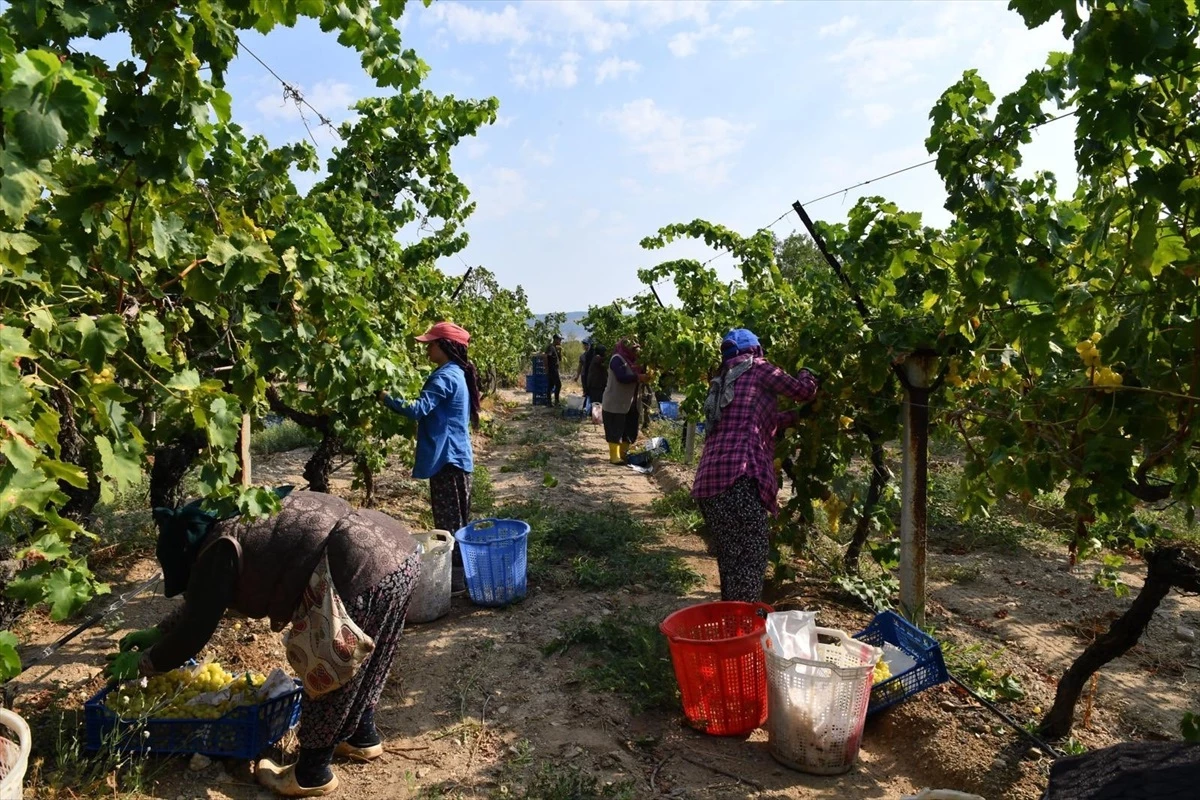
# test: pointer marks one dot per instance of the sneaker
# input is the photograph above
(282, 781)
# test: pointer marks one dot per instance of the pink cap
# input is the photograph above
(446, 330)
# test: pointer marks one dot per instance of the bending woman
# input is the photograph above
(262, 569)
(735, 483)
(449, 400)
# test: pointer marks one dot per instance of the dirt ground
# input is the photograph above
(473, 691)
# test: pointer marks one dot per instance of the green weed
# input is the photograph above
(974, 666)
(630, 655)
(483, 493)
(285, 436)
(596, 550)
(681, 509)
(529, 457)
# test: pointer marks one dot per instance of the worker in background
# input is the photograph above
(553, 362)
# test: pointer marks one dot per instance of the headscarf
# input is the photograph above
(740, 341)
(628, 351)
(181, 531)
(457, 353)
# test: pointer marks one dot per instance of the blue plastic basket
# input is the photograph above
(243, 733)
(539, 365)
(541, 398)
(537, 383)
(930, 669)
(668, 409)
(494, 559)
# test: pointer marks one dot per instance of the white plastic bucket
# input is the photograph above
(817, 708)
(431, 598)
(14, 754)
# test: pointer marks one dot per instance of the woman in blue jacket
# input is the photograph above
(449, 400)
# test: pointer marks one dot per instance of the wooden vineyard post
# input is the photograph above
(689, 441)
(245, 450)
(914, 488)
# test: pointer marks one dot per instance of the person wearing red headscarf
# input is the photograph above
(446, 410)
(619, 403)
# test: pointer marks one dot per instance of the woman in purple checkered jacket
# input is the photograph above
(735, 485)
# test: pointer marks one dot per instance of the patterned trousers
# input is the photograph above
(738, 522)
(380, 612)
(450, 497)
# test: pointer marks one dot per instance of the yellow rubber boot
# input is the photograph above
(623, 449)
(614, 454)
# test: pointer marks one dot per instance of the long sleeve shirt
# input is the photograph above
(743, 440)
(443, 415)
(260, 568)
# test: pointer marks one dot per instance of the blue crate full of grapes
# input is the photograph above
(198, 708)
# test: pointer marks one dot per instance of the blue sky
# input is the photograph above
(618, 117)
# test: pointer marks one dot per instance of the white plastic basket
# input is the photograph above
(431, 597)
(816, 708)
(14, 754)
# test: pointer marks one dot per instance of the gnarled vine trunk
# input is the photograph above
(320, 465)
(880, 475)
(1166, 568)
(171, 463)
(75, 450)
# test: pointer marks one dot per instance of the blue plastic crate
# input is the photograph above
(930, 669)
(668, 409)
(494, 554)
(539, 365)
(538, 384)
(243, 733)
(541, 398)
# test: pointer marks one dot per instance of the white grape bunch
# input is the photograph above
(173, 695)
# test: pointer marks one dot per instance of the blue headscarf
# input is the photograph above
(739, 341)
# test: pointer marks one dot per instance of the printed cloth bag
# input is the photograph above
(324, 645)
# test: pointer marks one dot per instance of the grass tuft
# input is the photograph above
(631, 658)
(597, 550)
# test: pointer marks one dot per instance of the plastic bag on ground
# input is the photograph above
(658, 446)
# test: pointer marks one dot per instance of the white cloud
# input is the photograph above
(592, 22)
(630, 185)
(503, 121)
(839, 28)
(529, 71)
(590, 216)
(470, 24)
(684, 44)
(499, 193)
(698, 148)
(475, 148)
(877, 113)
(542, 157)
(614, 68)
(739, 41)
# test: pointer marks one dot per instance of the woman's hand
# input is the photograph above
(123, 667)
(141, 640)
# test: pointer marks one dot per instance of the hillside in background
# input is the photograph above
(571, 329)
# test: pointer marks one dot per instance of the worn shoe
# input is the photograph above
(282, 781)
(357, 753)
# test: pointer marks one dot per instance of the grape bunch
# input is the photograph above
(172, 695)
(1102, 376)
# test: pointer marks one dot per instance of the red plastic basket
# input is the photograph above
(716, 649)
